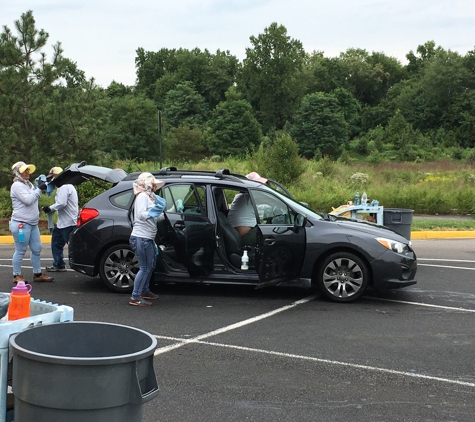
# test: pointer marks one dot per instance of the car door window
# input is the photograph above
(272, 210)
(185, 199)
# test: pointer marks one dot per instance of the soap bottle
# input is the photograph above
(20, 301)
(21, 233)
(244, 261)
(364, 199)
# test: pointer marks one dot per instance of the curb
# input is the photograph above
(422, 235)
(468, 234)
(8, 240)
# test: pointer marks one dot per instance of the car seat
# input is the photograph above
(233, 243)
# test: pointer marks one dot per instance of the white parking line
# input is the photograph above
(445, 266)
(427, 305)
(327, 361)
(444, 260)
(233, 326)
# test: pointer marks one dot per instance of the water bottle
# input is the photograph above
(244, 261)
(20, 301)
(21, 233)
(356, 202)
(364, 199)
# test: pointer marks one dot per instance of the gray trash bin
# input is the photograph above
(399, 220)
(82, 371)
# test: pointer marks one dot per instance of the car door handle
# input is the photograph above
(269, 241)
(179, 225)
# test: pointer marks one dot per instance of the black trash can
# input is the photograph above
(399, 220)
(82, 371)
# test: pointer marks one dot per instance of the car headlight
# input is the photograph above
(393, 245)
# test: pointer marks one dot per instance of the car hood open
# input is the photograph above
(77, 173)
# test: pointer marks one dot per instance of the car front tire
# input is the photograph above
(342, 277)
(118, 268)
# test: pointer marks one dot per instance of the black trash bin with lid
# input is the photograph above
(82, 371)
(399, 220)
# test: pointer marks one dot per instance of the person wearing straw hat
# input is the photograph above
(66, 205)
(26, 216)
(147, 209)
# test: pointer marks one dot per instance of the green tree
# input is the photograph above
(279, 160)
(184, 105)
(41, 119)
(232, 128)
(210, 74)
(184, 144)
(132, 130)
(319, 124)
(272, 76)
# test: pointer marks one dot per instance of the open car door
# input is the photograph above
(190, 230)
(281, 240)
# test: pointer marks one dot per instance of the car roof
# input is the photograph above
(173, 172)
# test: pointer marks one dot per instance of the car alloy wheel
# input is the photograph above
(343, 277)
(118, 268)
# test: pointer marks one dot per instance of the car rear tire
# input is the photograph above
(342, 277)
(118, 268)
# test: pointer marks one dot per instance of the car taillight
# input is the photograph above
(86, 215)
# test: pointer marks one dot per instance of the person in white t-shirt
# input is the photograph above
(66, 205)
(241, 214)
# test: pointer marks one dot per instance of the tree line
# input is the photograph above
(356, 106)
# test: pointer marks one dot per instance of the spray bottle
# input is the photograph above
(20, 301)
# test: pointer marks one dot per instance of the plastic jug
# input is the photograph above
(20, 301)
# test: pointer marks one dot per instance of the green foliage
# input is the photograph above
(233, 129)
(184, 144)
(134, 128)
(184, 105)
(280, 161)
(6, 207)
(326, 166)
(319, 124)
(271, 76)
(88, 190)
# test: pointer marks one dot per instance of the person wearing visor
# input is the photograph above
(24, 221)
(66, 205)
(148, 207)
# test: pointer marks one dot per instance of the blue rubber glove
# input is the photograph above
(157, 208)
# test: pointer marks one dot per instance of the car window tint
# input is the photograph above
(123, 199)
(272, 210)
(184, 199)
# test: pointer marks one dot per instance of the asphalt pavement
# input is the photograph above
(230, 353)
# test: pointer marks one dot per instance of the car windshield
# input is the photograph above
(296, 206)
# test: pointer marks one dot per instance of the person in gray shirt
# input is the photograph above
(66, 205)
(24, 221)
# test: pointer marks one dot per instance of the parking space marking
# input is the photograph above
(428, 305)
(444, 260)
(240, 324)
(327, 361)
(445, 266)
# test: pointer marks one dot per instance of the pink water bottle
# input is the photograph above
(20, 301)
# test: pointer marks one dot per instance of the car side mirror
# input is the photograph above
(299, 222)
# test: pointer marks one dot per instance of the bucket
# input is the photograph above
(82, 371)
(399, 220)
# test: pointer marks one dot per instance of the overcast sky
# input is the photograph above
(102, 36)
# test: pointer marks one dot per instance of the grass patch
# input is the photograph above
(442, 225)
